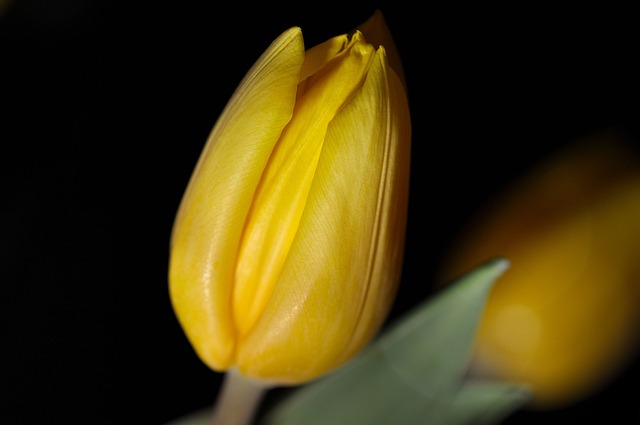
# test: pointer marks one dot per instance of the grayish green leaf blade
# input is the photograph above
(409, 375)
(365, 392)
(483, 402)
(433, 343)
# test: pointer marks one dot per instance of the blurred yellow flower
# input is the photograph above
(565, 317)
(287, 247)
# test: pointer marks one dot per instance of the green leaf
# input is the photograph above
(482, 402)
(413, 373)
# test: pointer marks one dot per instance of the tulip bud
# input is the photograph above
(565, 318)
(287, 246)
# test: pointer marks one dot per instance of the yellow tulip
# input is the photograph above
(565, 317)
(287, 247)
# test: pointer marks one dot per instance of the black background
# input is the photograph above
(105, 107)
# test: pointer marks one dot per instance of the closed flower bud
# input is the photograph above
(565, 317)
(287, 247)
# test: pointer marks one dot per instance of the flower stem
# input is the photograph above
(238, 400)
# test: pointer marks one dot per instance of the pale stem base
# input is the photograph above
(238, 400)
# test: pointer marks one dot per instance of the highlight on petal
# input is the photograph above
(327, 302)
(211, 217)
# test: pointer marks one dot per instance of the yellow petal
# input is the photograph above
(317, 57)
(333, 293)
(377, 32)
(394, 193)
(282, 193)
(208, 227)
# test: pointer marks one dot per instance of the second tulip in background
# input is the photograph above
(565, 318)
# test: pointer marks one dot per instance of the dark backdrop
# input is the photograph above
(106, 105)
